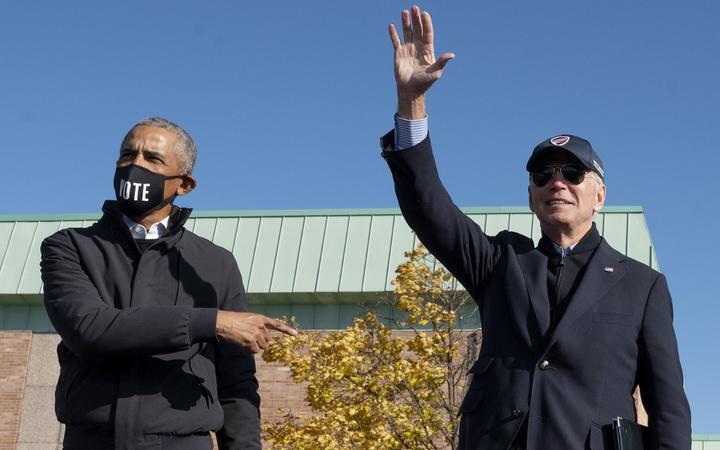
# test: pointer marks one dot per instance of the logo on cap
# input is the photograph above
(599, 169)
(560, 140)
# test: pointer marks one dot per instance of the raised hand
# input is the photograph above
(248, 330)
(416, 68)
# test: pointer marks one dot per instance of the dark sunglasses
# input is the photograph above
(572, 173)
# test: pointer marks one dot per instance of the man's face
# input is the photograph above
(153, 149)
(561, 205)
(150, 148)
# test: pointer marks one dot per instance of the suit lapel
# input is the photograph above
(534, 270)
(603, 271)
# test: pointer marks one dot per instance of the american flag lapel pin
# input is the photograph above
(609, 269)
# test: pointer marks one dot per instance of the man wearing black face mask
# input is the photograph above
(156, 350)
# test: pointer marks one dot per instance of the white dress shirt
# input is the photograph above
(156, 230)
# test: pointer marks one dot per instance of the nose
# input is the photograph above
(138, 160)
(558, 181)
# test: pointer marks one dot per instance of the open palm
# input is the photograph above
(416, 68)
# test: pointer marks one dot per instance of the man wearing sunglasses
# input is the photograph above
(571, 326)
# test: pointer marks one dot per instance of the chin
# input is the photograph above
(557, 219)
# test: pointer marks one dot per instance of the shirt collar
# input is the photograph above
(563, 250)
(588, 242)
(156, 230)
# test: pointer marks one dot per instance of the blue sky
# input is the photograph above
(286, 101)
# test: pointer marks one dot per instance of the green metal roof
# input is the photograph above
(293, 261)
(705, 442)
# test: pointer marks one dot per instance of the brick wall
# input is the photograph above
(277, 390)
(28, 420)
(14, 357)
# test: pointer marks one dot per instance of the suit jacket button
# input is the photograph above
(544, 364)
(516, 413)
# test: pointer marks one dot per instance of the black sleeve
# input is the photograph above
(660, 374)
(237, 385)
(452, 237)
(94, 330)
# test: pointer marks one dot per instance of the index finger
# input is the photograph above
(276, 324)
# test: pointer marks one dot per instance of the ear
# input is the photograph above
(186, 186)
(530, 200)
(600, 198)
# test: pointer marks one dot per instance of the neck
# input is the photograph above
(154, 217)
(565, 236)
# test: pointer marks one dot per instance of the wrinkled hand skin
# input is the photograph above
(416, 68)
(249, 331)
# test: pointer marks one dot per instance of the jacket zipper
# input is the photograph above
(558, 282)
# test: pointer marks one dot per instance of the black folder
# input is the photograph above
(630, 435)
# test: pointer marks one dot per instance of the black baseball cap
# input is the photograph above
(576, 146)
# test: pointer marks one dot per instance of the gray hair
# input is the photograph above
(599, 182)
(184, 146)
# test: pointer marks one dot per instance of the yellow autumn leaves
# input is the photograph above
(372, 387)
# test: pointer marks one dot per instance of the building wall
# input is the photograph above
(29, 371)
(14, 355)
(39, 429)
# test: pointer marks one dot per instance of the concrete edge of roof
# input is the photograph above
(302, 212)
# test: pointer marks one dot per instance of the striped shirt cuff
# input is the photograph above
(409, 133)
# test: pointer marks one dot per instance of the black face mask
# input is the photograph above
(140, 191)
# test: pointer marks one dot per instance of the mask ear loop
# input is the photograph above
(163, 203)
(171, 199)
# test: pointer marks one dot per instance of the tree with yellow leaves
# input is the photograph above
(374, 388)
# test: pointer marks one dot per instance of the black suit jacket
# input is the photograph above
(615, 334)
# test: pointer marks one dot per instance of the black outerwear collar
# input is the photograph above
(113, 218)
(587, 243)
(178, 215)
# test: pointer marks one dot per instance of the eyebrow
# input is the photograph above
(147, 152)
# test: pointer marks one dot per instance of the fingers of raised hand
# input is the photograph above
(394, 36)
(443, 60)
(427, 28)
(407, 30)
(417, 26)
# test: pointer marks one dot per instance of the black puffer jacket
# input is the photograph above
(138, 357)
